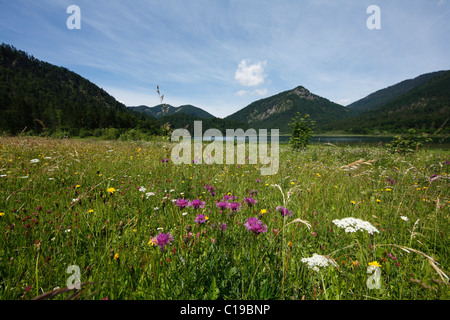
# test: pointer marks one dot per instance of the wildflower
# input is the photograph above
(200, 219)
(111, 190)
(2, 214)
(352, 202)
(352, 225)
(210, 189)
(284, 212)
(255, 225)
(317, 261)
(184, 213)
(222, 205)
(182, 203)
(375, 264)
(34, 161)
(233, 206)
(388, 189)
(263, 211)
(223, 226)
(116, 256)
(392, 256)
(164, 160)
(148, 194)
(196, 203)
(91, 211)
(250, 201)
(161, 240)
(228, 197)
(142, 189)
(404, 218)
(378, 200)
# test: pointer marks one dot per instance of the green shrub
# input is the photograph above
(302, 130)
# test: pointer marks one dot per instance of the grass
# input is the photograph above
(57, 212)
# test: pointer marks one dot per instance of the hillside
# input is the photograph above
(167, 110)
(277, 111)
(426, 108)
(383, 96)
(37, 96)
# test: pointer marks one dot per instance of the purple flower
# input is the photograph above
(255, 225)
(227, 197)
(210, 189)
(161, 240)
(250, 201)
(223, 226)
(284, 212)
(233, 206)
(222, 205)
(196, 203)
(390, 180)
(164, 160)
(182, 203)
(392, 256)
(200, 219)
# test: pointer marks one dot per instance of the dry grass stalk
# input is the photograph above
(355, 165)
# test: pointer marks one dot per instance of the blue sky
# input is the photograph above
(223, 55)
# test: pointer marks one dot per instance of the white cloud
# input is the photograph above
(250, 75)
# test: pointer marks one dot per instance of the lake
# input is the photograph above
(340, 140)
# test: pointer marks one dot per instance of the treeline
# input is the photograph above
(39, 98)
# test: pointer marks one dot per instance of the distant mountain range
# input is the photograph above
(167, 110)
(277, 111)
(38, 96)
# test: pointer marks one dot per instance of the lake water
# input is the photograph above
(346, 140)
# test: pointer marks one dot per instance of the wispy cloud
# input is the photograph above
(222, 55)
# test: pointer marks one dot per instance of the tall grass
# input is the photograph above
(58, 212)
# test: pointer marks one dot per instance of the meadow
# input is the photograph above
(140, 227)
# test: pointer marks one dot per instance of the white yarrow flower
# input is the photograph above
(353, 224)
(404, 218)
(34, 160)
(317, 261)
(142, 189)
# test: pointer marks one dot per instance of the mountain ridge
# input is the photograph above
(161, 110)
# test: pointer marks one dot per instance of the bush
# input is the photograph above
(409, 143)
(302, 130)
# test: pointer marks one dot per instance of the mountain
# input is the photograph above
(277, 111)
(166, 110)
(425, 107)
(37, 96)
(383, 96)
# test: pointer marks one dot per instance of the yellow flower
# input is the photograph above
(90, 211)
(206, 218)
(152, 242)
(263, 211)
(116, 256)
(388, 189)
(77, 186)
(378, 200)
(292, 182)
(375, 263)
(290, 244)
(352, 202)
(2, 214)
(111, 190)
